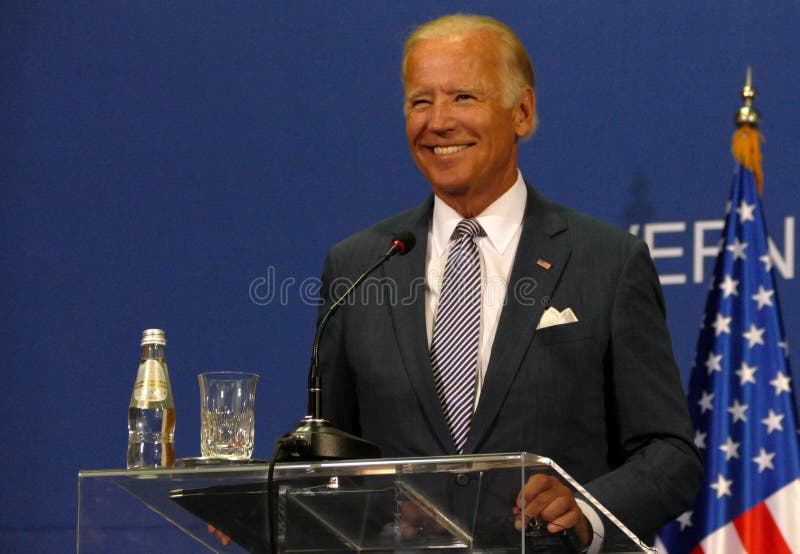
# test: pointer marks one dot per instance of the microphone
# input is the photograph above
(315, 438)
(402, 243)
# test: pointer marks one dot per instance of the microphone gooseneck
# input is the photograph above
(315, 438)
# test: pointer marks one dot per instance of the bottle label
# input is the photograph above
(151, 382)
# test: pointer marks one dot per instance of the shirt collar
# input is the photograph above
(500, 220)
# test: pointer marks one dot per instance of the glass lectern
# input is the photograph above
(451, 504)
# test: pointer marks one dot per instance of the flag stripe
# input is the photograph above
(758, 532)
(724, 540)
(784, 506)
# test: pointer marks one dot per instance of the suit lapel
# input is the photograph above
(544, 237)
(408, 314)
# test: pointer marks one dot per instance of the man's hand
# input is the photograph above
(223, 538)
(548, 500)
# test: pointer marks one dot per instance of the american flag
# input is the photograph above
(741, 401)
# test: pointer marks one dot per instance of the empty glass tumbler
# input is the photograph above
(227, 414)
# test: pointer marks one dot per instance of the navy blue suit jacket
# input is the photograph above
(602, 397)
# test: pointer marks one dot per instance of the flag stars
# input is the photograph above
(773, 422)
(722, 486)
(746, 373)
(763, 297)
(781, 383)
(713, 363)
(685, 519)
(754, 335)
(731, 449)
(706, 402)
(764, 460)
(744, 333)
(722, 325)
(737, 410)
(700, 439)
(746, 211)
(728, 286)
(737, 249)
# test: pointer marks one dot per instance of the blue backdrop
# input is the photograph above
(186, 165)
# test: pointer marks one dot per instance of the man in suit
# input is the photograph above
(571, 360)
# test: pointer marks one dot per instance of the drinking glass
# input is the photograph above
(227, 414)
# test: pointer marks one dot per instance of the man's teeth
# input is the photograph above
(440, 150)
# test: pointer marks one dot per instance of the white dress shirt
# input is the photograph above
(502, 221)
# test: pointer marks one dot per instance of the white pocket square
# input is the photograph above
(552, 317)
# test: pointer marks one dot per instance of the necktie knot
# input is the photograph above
(468, 227)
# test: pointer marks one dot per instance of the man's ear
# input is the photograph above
(525, 113)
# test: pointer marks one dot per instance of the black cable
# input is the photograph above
(272, 498)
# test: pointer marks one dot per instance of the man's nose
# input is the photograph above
(442, 118)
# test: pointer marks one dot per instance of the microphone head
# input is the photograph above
(404, 241)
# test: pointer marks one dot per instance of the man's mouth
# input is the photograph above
(443, 150)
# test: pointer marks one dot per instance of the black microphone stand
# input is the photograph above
(315, 438)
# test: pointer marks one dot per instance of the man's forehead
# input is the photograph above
(451, 74)
(473, 52)
(482, 39)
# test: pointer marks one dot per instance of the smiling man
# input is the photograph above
(463, 126)
(538, 328)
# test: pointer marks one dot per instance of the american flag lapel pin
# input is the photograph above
(543, 263)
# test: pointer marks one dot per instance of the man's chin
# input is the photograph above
(450, 189)
(449, 183)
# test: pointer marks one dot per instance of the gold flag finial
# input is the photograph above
(746, 146)
(747, 114)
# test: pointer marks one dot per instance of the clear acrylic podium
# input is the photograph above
(452, 504)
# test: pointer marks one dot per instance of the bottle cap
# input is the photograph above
(153, 336)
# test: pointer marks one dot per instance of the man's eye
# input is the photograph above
(419, 102)
(462, 97)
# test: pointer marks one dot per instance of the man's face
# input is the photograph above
(462, 135)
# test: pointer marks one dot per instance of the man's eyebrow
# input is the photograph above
(416, 94)
(471, 90)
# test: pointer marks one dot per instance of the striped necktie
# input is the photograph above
(456, 331)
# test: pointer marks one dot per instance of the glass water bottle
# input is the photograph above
(151, 414)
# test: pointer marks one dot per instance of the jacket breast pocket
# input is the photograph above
(566, 332)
